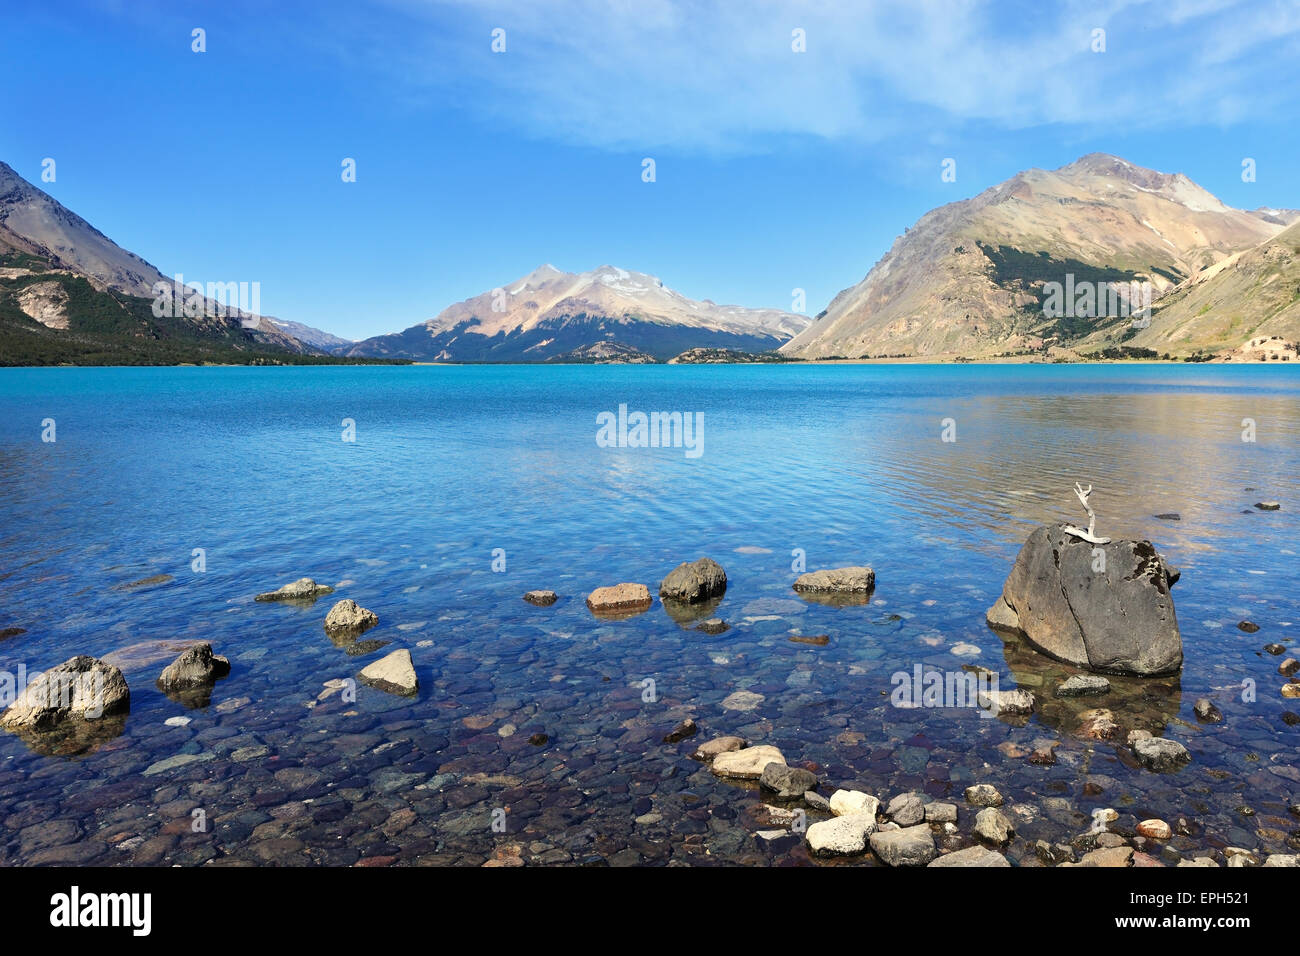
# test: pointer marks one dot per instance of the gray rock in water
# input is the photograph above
(941, 813)
(972, 856)
(851, 580)
(817, 802)
(993, 827)
(196, 667)
(714, 625)
(788, 782)
(1081, 685)
(301, 590)
(694, 581)
(1160, 754)
(1206, 711)
(541, 598)
(347, 617)
(80, 689)
(394, 674)
(1118, 620)
(906, 809)
(908, 846)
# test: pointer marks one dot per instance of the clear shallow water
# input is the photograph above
(449, 464)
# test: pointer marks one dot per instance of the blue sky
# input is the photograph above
(775, 169)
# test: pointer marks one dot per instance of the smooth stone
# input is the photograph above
(179, 760)
(746, 764)
(841, 836)
(1081, 685)
(1288, 667)
(1155, 830)
(394, 674)
(850, 580)
(845, 803)
(907, 846)
(620, 597)
(718, 745)
(1248, 627)
(971, 856)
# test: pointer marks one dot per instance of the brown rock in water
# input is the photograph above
(1250, 627)
(850, 580)
(817, 640)
(694, 581)
(195, 666)
(80, 689)
(620, 598)
(348, 617)
(303, 589)
(683, 730)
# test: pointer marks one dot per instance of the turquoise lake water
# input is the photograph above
(457, 470)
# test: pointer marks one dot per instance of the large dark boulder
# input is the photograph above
(694, 581)
(1113, 618)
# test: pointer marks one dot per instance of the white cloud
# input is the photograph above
(714, 76)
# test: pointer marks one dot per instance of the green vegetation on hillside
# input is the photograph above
(111, 328)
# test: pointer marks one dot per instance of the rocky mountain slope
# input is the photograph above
(61, 275)
(549, 313)
(970, 278)
(1249, 295)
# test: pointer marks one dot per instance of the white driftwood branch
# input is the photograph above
(1082, 494)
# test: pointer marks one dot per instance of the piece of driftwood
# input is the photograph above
(1082, 494)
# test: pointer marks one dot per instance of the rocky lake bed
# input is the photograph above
(429, 709)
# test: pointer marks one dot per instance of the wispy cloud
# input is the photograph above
(714, 76)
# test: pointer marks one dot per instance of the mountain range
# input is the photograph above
(549, 314)
(971, 280)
